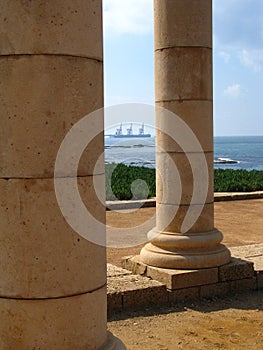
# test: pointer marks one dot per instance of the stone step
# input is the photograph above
(137, 285)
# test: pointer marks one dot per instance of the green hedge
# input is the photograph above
(119, 179)
(229, 180)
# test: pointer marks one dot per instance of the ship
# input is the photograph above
(119, 133)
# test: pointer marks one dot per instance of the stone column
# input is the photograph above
(52, 281)
(183, 85)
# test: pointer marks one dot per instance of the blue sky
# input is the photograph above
(238, 61)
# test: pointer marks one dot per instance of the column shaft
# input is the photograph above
(183, 86)
(53, 281)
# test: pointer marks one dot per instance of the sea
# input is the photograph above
(230, 152)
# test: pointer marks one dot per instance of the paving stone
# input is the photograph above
(134, 264)
(257, 261)
(237, 269)
(178, 279)
(113, 271)
(131, 291)
(130, 282)
(250, 252)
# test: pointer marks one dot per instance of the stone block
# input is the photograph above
(244, 284)
(41, 255)
(41, 98)
(252, 252)
(170, 218)
(247, 251)
(65, 28)
(183, 23)
(126, 283)
(260, 279)
(189, 71)
(150, 296)
(134, 264)
(113, 271)
(178, 295)
(136, 291)
(48, 323)
(192, 113)
(216, 289)
(114, 302)
(179, 279)
(177, 174)
(237, 269)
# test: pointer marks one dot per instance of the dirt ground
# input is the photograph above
(241, 223)
(233, 322)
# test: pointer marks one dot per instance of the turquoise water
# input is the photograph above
(247, 151)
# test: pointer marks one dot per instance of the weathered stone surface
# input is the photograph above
(183, 74)
(145, 297)
(130, 283)
(171, 258)
(192, 242)
(51, 27)
(41, 255)
(243, 284)
(182, 23)
(252, 252)
(192, 113)
(68, 323)
(237, 269)
(177, 279)
(183, 294)
(247, 251)
(260, 279)
(114, 302)
(212, 290)
(41, 98)
(53, 280)
(113, 271)
(134, 264)
(236, 196)
(170, 218)
(132, 291)
(180, 190)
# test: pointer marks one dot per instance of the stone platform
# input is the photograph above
(137, 285)
(151, 202)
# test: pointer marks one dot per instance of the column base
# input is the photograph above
(185, 251)
(172, 259)
(113, 343)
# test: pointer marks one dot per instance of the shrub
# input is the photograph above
(120, 179)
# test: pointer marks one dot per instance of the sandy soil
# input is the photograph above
(233, 322)
(240, 221)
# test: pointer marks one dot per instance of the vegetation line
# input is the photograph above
(124, 182)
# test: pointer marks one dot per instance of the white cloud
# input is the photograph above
(225, 56)
(252, 58)
(233, 90)
(128, 17)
